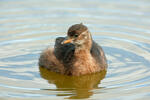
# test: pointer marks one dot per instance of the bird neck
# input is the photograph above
(86, 46)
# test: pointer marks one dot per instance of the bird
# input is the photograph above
(75, 54)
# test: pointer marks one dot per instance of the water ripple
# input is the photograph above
(121, 28)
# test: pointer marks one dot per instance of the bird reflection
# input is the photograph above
(78, 86)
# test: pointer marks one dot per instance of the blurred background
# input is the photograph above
(121, 27)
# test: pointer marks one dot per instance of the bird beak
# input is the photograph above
(67, 41)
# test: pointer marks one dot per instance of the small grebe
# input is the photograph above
(76, 54)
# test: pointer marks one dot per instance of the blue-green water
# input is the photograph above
(121, 27)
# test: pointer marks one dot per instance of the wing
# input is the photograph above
(48, 60)
(98, 53)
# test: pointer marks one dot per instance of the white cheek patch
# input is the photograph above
(85, 37)
(85, 34)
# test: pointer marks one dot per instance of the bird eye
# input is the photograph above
(71, 34)
(76, 35)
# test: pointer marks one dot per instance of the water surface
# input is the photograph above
(120, 27)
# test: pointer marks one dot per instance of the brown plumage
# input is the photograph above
(76, 54)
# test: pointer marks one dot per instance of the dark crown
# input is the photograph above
(76, 29)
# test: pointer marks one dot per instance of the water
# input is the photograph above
(121, 28)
